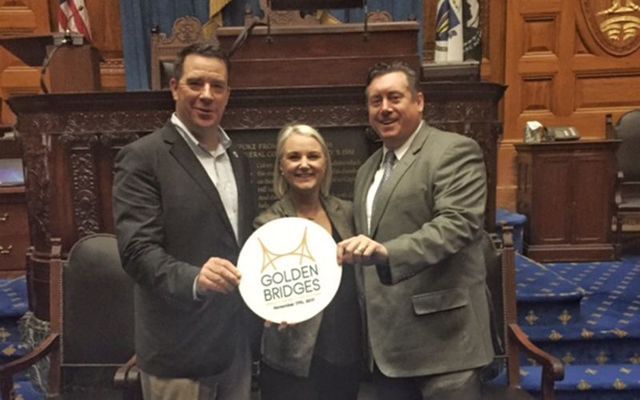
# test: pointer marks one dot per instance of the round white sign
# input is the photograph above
(289, 270)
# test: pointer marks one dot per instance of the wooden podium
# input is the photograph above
(566, 191)
(72, 64)
(293, 56)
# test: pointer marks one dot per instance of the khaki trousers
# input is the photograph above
(231, 384)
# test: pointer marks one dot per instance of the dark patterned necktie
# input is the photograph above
(387, 165)
(389, 162)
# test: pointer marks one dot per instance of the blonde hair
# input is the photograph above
(280, 185)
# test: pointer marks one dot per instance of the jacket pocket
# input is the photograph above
(444, 300)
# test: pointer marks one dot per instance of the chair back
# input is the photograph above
(499, 255)
(97, 307)
(628, 130)
(492, 258)
(165, 48)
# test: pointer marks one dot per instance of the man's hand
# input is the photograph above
(362, 250)
(217, 275)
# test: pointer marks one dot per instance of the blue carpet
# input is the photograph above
(545, 297)
(587, 314)
(13, 305)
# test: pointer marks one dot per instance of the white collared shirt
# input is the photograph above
(217, 164)
(377, 178)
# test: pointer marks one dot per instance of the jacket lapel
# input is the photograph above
(185, 157)
(386, 191)
(361, 191)
(338, 217)
(244, 212)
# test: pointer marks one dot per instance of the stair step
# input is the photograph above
(11, 346)
(619, 351)
(590, 381)
(13, 297)
(545, 297)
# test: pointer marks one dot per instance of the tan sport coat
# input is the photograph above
(427, 311)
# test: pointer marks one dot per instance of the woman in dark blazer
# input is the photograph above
(319, 358)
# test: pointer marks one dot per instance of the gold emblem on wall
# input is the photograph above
(615, 24)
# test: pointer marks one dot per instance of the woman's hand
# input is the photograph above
(281, 326)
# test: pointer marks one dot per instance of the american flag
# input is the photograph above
(73, 16)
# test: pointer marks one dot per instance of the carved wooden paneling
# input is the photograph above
(536, 93)
(589, 48)
(17, 18)
(541, 34)
(112, 75)
(494, 21)
(614, 25)
(28, 17)
(70, 141)
(23, 17)
(106, 27)
(70, 144)
(17, 80)
(621, 90)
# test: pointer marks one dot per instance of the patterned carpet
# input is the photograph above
(13, 306)
(587, 314)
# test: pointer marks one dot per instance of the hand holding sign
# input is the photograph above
(289, 270)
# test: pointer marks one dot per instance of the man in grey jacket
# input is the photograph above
(420, 218)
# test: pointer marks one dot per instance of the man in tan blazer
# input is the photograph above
(420, 217)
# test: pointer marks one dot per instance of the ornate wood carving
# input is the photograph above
(70, 141)
(84, 186)
(614, 24)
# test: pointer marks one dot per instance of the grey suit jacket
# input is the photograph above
(291, 350)
(427, 311)
(169, 221)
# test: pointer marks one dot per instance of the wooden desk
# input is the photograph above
(566, 189)
(14, 226)
(14, 231)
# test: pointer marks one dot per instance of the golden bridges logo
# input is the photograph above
(298, 275)
(615, 24)
(269, 257)
(289, 270)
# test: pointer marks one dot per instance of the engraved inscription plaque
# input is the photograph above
(348, 147)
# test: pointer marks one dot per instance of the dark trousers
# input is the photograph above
(452, 386)
(325, 382)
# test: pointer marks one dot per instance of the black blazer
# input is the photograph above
(169, 221)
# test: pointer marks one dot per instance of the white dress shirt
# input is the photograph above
(377, 178)
(218, 166)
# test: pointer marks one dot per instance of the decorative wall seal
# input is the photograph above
(614, 24)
